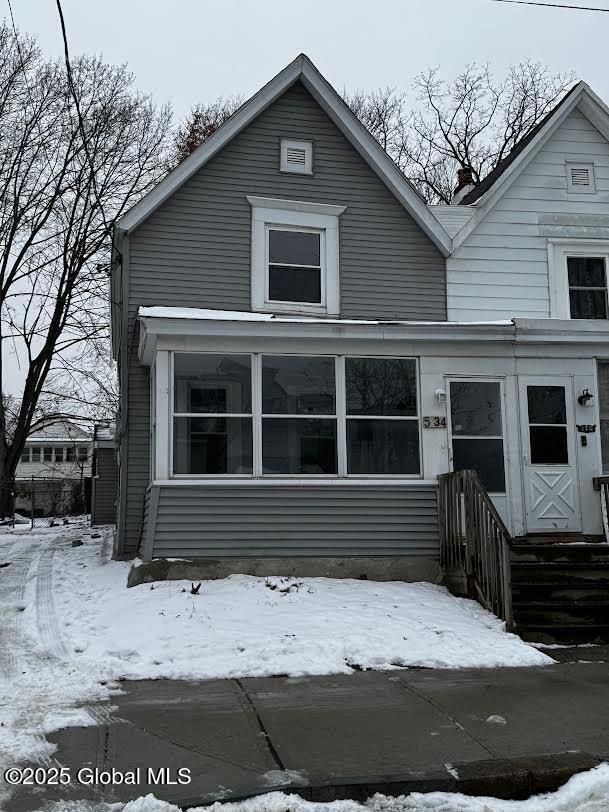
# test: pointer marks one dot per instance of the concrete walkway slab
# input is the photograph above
(525, 711)
(344, 736)
(325, 727)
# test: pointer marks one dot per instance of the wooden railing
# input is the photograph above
(475, 541)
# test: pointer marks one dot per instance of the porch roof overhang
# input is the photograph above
(181, 322)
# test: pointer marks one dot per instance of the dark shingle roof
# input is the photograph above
(486, 183)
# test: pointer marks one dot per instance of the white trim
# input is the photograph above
(298, 169)
(316, 218)
(339, 112)
(297, 482)
(303, 206)
(558, 252)
(581, 97)
(164, 421)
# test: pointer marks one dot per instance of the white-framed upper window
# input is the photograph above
(295, 261)
(580, 177)
(266, 415)
(579, 277)
(296, 156)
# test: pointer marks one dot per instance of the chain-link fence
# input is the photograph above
(45, 502)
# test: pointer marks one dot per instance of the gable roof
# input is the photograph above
(492, 188)
(303, 70)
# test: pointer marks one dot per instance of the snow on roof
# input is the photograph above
(241, 315)
(56, 428)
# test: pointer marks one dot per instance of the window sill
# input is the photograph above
(296, 481)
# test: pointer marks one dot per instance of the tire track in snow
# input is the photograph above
(12, 590)
(46, 617)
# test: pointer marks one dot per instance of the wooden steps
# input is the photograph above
(560, 588)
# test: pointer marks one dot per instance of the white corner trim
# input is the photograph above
(279, 204)
(162, 414)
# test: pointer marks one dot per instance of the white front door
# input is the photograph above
(549, 462)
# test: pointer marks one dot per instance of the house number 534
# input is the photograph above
(434, 422)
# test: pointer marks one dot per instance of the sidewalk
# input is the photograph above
(346, 736)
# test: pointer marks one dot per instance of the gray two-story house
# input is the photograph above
(265, 409)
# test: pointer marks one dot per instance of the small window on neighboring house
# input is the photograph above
(83, 453)
(36, 454)
(296, 156)
(580, 177)
(70, 454)
(48, 454)
(587, 287)
(59, 454)
(25, 455)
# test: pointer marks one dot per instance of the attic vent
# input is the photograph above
(296, 156)
(580, 177)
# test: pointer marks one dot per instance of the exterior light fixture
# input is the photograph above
(586, 399)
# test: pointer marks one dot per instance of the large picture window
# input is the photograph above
(294, 415)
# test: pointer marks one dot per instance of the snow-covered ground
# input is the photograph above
(69, 628)
(586, 792)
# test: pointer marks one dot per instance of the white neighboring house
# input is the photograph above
(530, 243)
(56, 449)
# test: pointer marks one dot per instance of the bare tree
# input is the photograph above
(66, 174)
(203, 120)
(473, 120)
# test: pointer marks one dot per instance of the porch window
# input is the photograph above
(477, 432)
(83, 453)
(587, 287)
(48, 454)
(294, 415)
(70, 454)
(59, 454)
(25, 455)
(35, 453)
(382, 422)
(298, 415)
(212, 408)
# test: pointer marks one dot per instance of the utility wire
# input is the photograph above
(552, 5)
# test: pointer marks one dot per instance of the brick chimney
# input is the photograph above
(465, 183)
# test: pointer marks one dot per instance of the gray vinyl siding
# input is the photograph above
(275, 521)
(194, 251)
(105, 487)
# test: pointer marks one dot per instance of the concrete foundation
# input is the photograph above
(376, 569)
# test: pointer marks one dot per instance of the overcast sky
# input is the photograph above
(183, 51)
